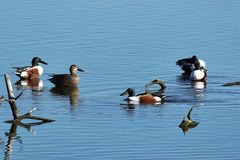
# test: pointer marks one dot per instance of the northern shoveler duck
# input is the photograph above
(159, 82)
(67, 80)
(199, 73)
(146, 98)
(187, 122)
(29, 72)
(186, 64)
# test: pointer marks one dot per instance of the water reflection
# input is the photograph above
(183, 78)
(199, 91)
(195, 88)
(12, 136)
(72, 92)
(1, 144)
(187, 123)
(129, 108)
(199, 84)
(34, 84)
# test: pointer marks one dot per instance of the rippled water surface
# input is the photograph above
(122, 44)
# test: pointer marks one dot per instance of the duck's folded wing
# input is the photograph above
(21, 69)
(134, 98)
(57, 78)
(184, 61)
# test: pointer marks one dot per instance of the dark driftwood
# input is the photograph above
(15, 112)
(11, 97)
(187, 123)
(232, 84)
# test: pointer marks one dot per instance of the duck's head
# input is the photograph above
(196, 64)
(194, 57)
(157, 81)
(74, 68)
(129, 92)
(37, 60)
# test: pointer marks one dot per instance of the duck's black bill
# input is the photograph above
(79, 69)
(43, 62)
(124, 93)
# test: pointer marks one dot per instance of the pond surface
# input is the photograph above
(122, 44)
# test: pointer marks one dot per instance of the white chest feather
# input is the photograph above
(40, 69)
(24, 74)
(137, 98)
(197, 75)
(157, 99)
(37, 70)
(202, 63)
(134, 98)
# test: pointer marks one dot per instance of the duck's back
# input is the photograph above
(28, 71)
(64, 80)
(149, 99)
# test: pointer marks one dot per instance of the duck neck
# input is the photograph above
(196, 65)
(131, 93)
(34, 63)
(162, 86)
(73, 73)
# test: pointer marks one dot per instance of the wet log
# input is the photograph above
(232, 84)
(15, 112)
(11, 97)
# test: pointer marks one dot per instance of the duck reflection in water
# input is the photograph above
(187, 123)
(72, 92)
(35, 84)
(199, 90)
(200, 85)
(128, 107)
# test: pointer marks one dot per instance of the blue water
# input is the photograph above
(123, 44)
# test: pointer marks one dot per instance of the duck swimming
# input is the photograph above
(29, 72)
(146, 98)
(186, 64)
(67, 80)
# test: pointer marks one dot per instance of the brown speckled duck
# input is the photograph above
(66, 80)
